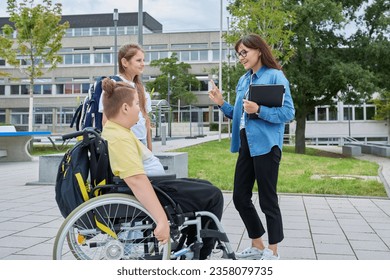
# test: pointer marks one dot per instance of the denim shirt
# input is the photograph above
(268, 130)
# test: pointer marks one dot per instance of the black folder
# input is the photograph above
(266, 95)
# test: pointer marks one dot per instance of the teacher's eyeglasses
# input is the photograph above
(242, 53)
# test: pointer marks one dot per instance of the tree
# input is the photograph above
(5, 45)
(371, 47)
(38, 39)
(180, 81)
(383, 109)
(324, 68)
(267, 18)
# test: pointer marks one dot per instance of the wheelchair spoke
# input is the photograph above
(109, 227)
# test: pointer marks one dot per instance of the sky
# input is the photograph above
(174, 15)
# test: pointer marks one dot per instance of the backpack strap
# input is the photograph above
(76, 117)
(99, 163)
(116, 78)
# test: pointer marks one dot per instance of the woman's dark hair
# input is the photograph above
(254, 41)
(115, 94)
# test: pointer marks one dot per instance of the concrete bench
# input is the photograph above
(6, 128)
(382, 151)
(352, 150)
(367, 148)
(15, 143)
(175, 163)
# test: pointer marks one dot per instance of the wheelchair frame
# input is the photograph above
(116, 226)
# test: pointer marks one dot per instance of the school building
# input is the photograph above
(89, 51)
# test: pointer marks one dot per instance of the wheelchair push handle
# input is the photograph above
(85, 132)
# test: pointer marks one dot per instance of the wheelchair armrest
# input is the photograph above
(118, 181)
(157, 178)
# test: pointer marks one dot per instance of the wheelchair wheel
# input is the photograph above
(111, 226)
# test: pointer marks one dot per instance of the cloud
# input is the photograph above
(174, 15)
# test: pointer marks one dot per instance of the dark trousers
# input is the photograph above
(264, 169)
(196, 195)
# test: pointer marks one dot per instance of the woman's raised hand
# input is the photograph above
(215, 94)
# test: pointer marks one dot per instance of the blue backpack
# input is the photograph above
(87, 114)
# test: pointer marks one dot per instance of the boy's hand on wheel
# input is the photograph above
(162, 232)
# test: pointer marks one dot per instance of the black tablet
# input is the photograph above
(266, 95)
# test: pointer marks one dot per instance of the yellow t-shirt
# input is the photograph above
(125, 150)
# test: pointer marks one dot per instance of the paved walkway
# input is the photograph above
(316, 227)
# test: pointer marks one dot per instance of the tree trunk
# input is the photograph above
(31, 108)
(300, 134)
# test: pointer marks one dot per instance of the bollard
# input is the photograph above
(163, 134)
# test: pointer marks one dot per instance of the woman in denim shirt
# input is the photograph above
(259, 144)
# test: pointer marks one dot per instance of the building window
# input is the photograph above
(204, 85)
(184, 56)
(203, 56)
(104, 58)
(60, 89)
(85, 59)
(370, 113)
(68, 88)
(153, 56)
(121, 30)
(19, 116)
(103, 31)
(85, 32)
(347, 113)
(37, 89)
(2, 89)
(321, 114)
(24, 89)
(68, 59)
(2, 116)
(46, 89)
(194, 55)
(43, 116)
(95, 31)
(65, 115)
(156, 47)
(77, 32)
(72, 88)
(333, 114)
(311, 116)
(77, 59)
(359, 114)
(19, 89)
(2, 62)
(69, 32)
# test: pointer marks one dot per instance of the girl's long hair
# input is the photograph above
(127, 52)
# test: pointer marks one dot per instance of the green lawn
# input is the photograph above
(39, 150)
(214, 162)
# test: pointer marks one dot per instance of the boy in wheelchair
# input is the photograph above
(127, 154)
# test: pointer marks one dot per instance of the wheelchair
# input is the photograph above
(116, 226)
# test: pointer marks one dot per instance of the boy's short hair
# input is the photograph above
(115, 94)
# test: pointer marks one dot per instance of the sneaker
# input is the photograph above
(251, 253)
(269, 255)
